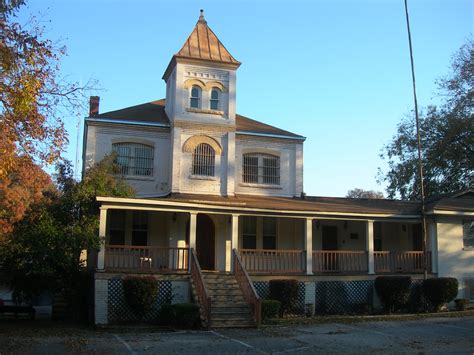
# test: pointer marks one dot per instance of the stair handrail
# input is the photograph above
(247, 287)
(201, 290)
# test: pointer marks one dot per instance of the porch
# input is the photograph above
(154, 239)
(128, 258)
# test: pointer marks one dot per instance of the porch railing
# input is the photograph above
(156, 259)
(201, 290)
(340, 261)
(247, 287)
(273, 261)
(402, 261)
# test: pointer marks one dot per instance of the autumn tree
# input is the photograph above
(447, 139)
(43, 251)
(361, 193)
(24, 186)
(34, 97)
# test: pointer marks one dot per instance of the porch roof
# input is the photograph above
(309, 206)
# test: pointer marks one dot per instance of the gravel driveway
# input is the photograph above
(427, 335)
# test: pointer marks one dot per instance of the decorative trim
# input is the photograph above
(250, 133)
(133, 123)
(188, 83)
(201, 110)
(192, 142)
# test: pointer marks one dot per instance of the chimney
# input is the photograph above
(94, 106)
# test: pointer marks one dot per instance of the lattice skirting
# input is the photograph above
(263, 290)
(342, 297)
(118, 309)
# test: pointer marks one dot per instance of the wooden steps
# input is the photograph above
(228, 306)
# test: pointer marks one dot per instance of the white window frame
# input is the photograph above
(217, 101)
(198, 97)
(137, 162)
(259, 173)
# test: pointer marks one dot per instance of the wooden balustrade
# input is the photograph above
(156, 259)
(402, 261)
(340, 261)
(247, 287)
(200, 285)
(273, 261)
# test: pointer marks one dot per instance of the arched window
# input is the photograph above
(195, 100)
(261, 169)
(134, 159)
(215, 96)
(203, 160)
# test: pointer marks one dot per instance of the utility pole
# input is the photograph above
(420, 165)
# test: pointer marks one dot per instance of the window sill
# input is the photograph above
(468, 248)
(203, 177)
(141, 178)
(261, 186)
(200, 110)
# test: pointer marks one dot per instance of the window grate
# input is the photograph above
(134, 159)
(261, 169)
(204, 160)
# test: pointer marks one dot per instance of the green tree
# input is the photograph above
(43, 251)
(361, 193)
(447, 138)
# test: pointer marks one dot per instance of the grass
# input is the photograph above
(367, 318)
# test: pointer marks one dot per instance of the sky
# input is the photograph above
(336, 72)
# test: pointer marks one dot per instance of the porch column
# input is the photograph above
(369, 240)
(192, 234)
(234, 238)
(308, 240)
(102, 229)
(432, 230)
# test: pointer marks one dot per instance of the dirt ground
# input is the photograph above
(426, 335)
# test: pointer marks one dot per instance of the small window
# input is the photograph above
(269, 233)
(468, 234)
(249, 233)
(215, 95)
(261, 169)
(117, 227)
(134, 159)
(195, 100)
(140, 228)
(203, 160)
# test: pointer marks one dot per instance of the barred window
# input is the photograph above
(134, 159)
(215, 94)
(195, 97)
(261, 169)
(203, 160)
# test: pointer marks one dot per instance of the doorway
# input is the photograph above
(205, 241)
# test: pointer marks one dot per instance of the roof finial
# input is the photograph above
(201, 17)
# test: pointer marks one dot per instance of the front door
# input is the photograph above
(205, 239)
(330, 260)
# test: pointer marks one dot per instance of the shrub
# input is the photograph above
(393, 291)
(187, 315)
(270, 309)
(182, 315)
(440, 290)
(140, 293)
(285, 291)
(461, 303)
